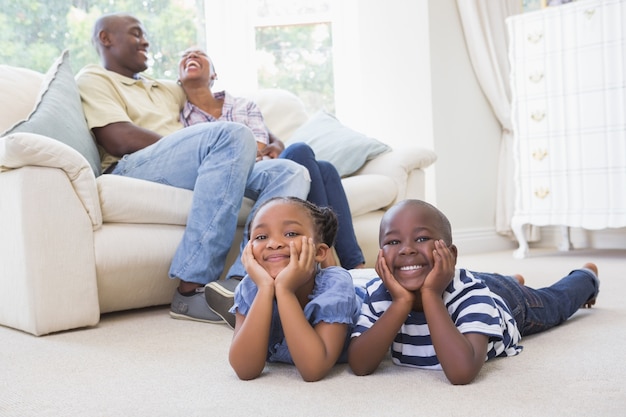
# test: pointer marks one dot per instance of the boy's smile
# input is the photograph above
(407, 238)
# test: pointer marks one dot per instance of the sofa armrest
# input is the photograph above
(401, 165)
(47, 257)
(19, 150)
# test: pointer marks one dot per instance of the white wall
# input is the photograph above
(408, 79)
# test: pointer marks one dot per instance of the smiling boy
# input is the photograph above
(435, 316)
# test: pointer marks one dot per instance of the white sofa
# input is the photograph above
(74, 244)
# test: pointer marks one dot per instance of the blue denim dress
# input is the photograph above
(333, 301)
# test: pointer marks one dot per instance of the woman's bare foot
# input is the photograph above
(589, 265)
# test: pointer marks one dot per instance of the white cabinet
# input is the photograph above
(568, 81)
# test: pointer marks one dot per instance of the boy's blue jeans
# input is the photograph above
(537, 310)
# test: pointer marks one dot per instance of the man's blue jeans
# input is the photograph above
(537, 310)
(217, 162)
(327, 191)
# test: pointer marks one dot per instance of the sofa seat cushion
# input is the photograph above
(131, 200)
(368, 193)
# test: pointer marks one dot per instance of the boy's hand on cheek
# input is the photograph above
(443, 270)
(397, 291)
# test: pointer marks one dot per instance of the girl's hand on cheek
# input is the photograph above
(257, 273)
(443, 270)
(301, 265)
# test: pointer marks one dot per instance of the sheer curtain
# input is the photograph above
(486, 37)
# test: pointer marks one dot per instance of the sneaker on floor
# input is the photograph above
(193, 307)
(220, 296)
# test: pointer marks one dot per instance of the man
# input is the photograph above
(135, 122)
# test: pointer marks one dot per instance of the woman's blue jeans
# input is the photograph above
(537, 310)
(327, 191)
(216, 161)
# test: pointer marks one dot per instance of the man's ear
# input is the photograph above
(104, 39)
(322, 252)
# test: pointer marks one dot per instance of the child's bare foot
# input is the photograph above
(519, 279)
(589, 303)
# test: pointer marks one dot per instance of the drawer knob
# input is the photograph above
(589, 13)
(542, 192)
(535, 37)
(536, 76)
(538, 115)
(540, 154)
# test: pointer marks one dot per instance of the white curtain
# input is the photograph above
(487, 39)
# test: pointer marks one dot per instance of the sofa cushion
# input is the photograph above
(283, 111)
(58, 113)
(18, 86)
(368, 193)
(131, 200)
(332, 141)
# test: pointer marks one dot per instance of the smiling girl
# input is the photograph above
(287, 308)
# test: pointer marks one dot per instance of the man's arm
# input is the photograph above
(122, 138)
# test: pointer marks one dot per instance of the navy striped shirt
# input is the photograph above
(472, 307)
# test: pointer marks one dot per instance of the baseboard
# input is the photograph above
(583, 239)
(470, 241)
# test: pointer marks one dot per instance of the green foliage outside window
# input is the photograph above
(298, 58)
(34, 33)
(294, 57)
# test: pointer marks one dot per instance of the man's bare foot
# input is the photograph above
(589, 265)
(519, 279)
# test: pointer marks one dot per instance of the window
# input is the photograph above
(293, 49)
(290, 42)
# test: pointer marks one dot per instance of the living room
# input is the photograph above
(411, 59)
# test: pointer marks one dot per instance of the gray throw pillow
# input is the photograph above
(58, 113)
(332, 141)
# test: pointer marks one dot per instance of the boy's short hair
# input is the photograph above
(443, 224)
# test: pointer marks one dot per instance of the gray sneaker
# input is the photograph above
(220, 296)
(193, 307)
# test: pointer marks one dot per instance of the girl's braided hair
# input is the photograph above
(324, 218)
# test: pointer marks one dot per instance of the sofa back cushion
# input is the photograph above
(19, 88)
(283, 111)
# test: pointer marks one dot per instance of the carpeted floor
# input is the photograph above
(143, 363)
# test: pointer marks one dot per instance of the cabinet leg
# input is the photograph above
(518, 229)
(565, 244)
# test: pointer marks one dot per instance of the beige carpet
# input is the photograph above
(142, 363)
